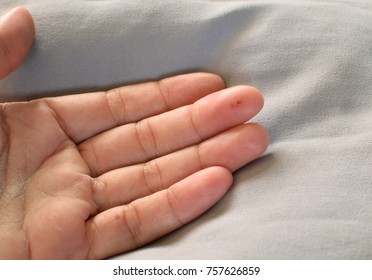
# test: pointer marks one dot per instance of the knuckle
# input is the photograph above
(133, 224)
(164, 93)
(195, 120)
(116, 106)
(172, 201)
(200, 156)
(152, 176)
(146, 138)
(99, 194)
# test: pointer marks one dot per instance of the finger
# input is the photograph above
(100, 111)
(127, 227)
(231, 149)
(17, 32)
(171, 131)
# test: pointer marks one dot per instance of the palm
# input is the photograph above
(94, 175)
(46, 185)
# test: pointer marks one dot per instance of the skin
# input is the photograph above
(93, 175)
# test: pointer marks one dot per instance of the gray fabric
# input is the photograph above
(309, 196)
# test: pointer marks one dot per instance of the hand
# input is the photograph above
(93, 175)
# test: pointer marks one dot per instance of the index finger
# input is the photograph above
(84, 115)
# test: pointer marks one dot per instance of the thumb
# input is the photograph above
(17, 32)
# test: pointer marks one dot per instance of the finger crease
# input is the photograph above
(114, 97)
(97, 194)
(153, 140)
(94, 168)
(152, 176)
(193, 122)
(131, 222)
(92, 236)
(199, 157)
(57, 117)
(142, 139)
(172, 201)
(163, 93)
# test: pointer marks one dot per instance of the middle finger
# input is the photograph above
(162, 134)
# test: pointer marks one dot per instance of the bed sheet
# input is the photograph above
(310, 195)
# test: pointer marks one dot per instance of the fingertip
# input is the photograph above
(260, 138)
(25, 13)
(26, 24)
(221, 177)
(226, 108)
(201, 191)
(258, 95)
(253, 101)
(185, 89)
(260, 135)
(209, 81)
(17, 31)
(215, 79)
(256, 98)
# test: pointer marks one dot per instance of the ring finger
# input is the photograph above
(231, 149)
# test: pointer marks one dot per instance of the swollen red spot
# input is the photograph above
(236, 104)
